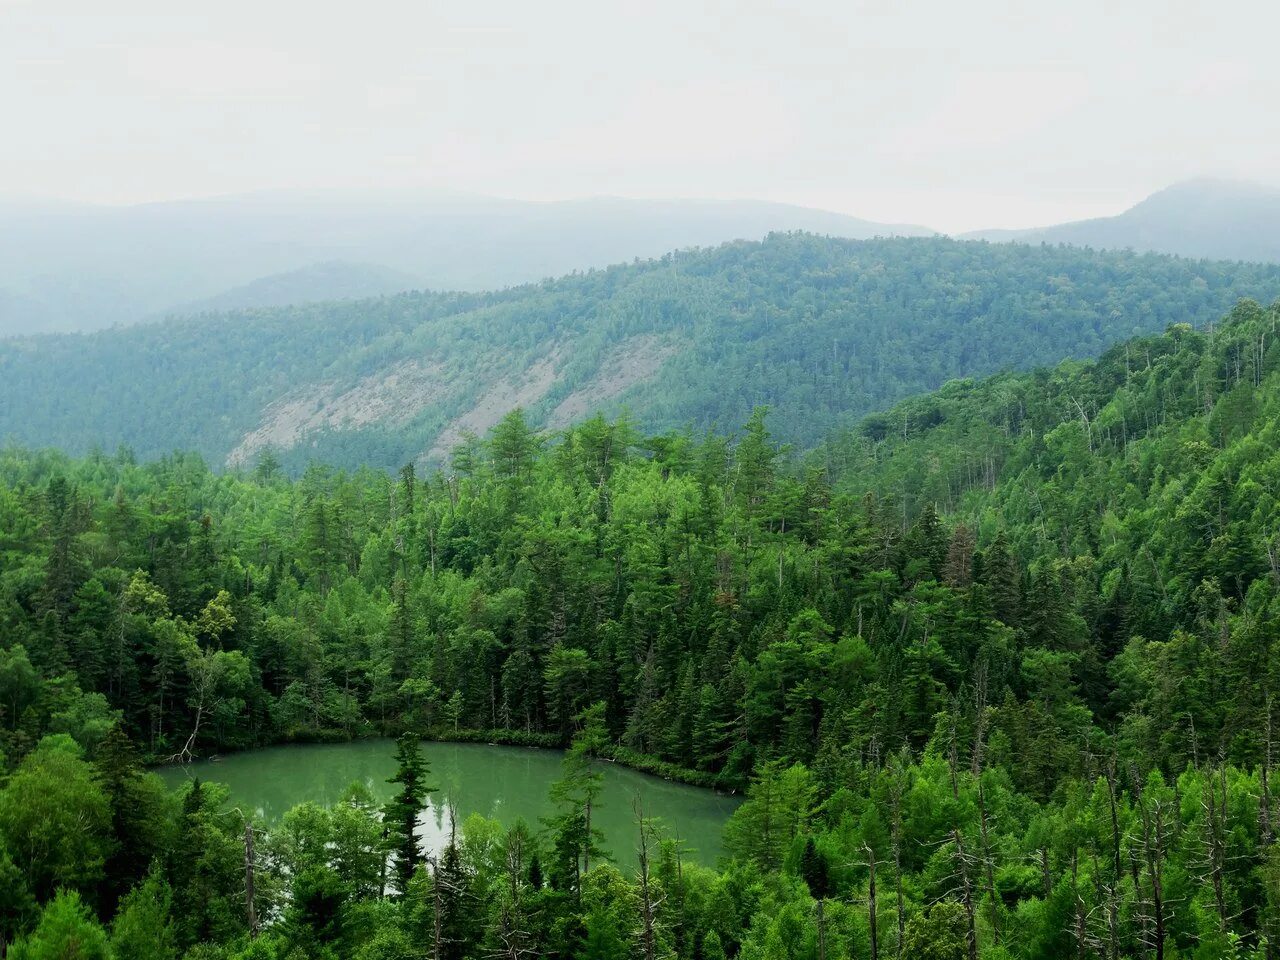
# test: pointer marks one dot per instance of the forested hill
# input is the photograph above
(998, 671)
(1220, 219)
(822, 330)
(1063, 454)
(1146, 486)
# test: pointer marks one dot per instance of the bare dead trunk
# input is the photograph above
(871, 902)
(251, 907)
(966, 894)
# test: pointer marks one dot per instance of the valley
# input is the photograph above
(665, 481)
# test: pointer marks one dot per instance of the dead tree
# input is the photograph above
(437, 910)
(447, 891)
(1264, 807)
(896, 787)
(871, 901)
(987, 855)
(510, 933)
(650, 899)
(979, 719)
(1266, 822)
(1153, 815)
(382, 875)
(1214, 841)
(1077, 905)
(250, 900)
(207, 669)
(1104, 937)
(966, 892)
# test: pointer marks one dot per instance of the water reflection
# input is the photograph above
(505, 783)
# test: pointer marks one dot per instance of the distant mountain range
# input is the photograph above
(72, 267)
(68, 267)
(821, 330)
(1212, 219)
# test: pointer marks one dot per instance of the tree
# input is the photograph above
(778, 806)
(138, 811)
(512, 445)
(216, 677)
(313, 920)
(205, 866)
(607, 915)
(143, 927)
(959, 569)
(17, 905)
(813, 868)
(454, 923)
(67, 931)
(576, 796)
(401, 813)
(652, 934)
(355, 850)
(267, 466)
(19, 684)
(56, 819)
(1000, 577)
(939, 933)
(566, 675)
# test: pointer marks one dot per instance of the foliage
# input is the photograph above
(996, 671)
(67, 931)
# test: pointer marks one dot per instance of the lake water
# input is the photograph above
(505, 783)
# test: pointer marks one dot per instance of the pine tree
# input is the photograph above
(813, 869)
(401, 812)
(67, 931)
(576, 795)
(1002, 581)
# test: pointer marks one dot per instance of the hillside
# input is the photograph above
(1014, 671)
(821, 330)
(1158, 461)
(71, 267)
(333, 280)
(1212, 219)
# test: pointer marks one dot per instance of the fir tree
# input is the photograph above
(401, 812)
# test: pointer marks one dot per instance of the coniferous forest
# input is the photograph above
(995, 673)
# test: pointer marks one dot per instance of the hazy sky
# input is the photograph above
(953, 114)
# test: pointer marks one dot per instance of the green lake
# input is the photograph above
(505, 783)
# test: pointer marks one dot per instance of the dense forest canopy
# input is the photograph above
(821, 330)
(995, 669)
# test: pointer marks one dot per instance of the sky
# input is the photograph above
(954, 115)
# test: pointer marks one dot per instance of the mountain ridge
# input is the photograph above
(80, 267)
(820, 329)
(67, 266)
(331, 280)
(1205, 218)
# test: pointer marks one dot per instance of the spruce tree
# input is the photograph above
(401, 812)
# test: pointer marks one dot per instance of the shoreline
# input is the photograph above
(623, 756)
